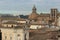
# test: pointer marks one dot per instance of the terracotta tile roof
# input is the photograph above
(39, 23)
(11, 22)
(11, 18)
(38, 35)
(44, 15)
(44, 29)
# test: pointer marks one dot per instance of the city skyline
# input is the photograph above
(25, 6)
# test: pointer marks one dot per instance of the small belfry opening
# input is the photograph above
(34, 9)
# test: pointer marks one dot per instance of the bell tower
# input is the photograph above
(34, 9)
(53, 14)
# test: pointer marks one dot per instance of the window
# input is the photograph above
(25, 36)
(18, 37)
(10, 38)
(43, 21)
(9, 25)
(58, 35)
(5, 37)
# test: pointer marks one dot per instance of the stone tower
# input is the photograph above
(53, 15)
(34, 14)
(34, 9)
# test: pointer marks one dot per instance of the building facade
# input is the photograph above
(44, 18)
(14, 33)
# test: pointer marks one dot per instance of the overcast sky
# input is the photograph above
(25, 6)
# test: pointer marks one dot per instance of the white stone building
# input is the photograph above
(14, 33)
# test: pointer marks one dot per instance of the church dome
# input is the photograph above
(34, 14)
